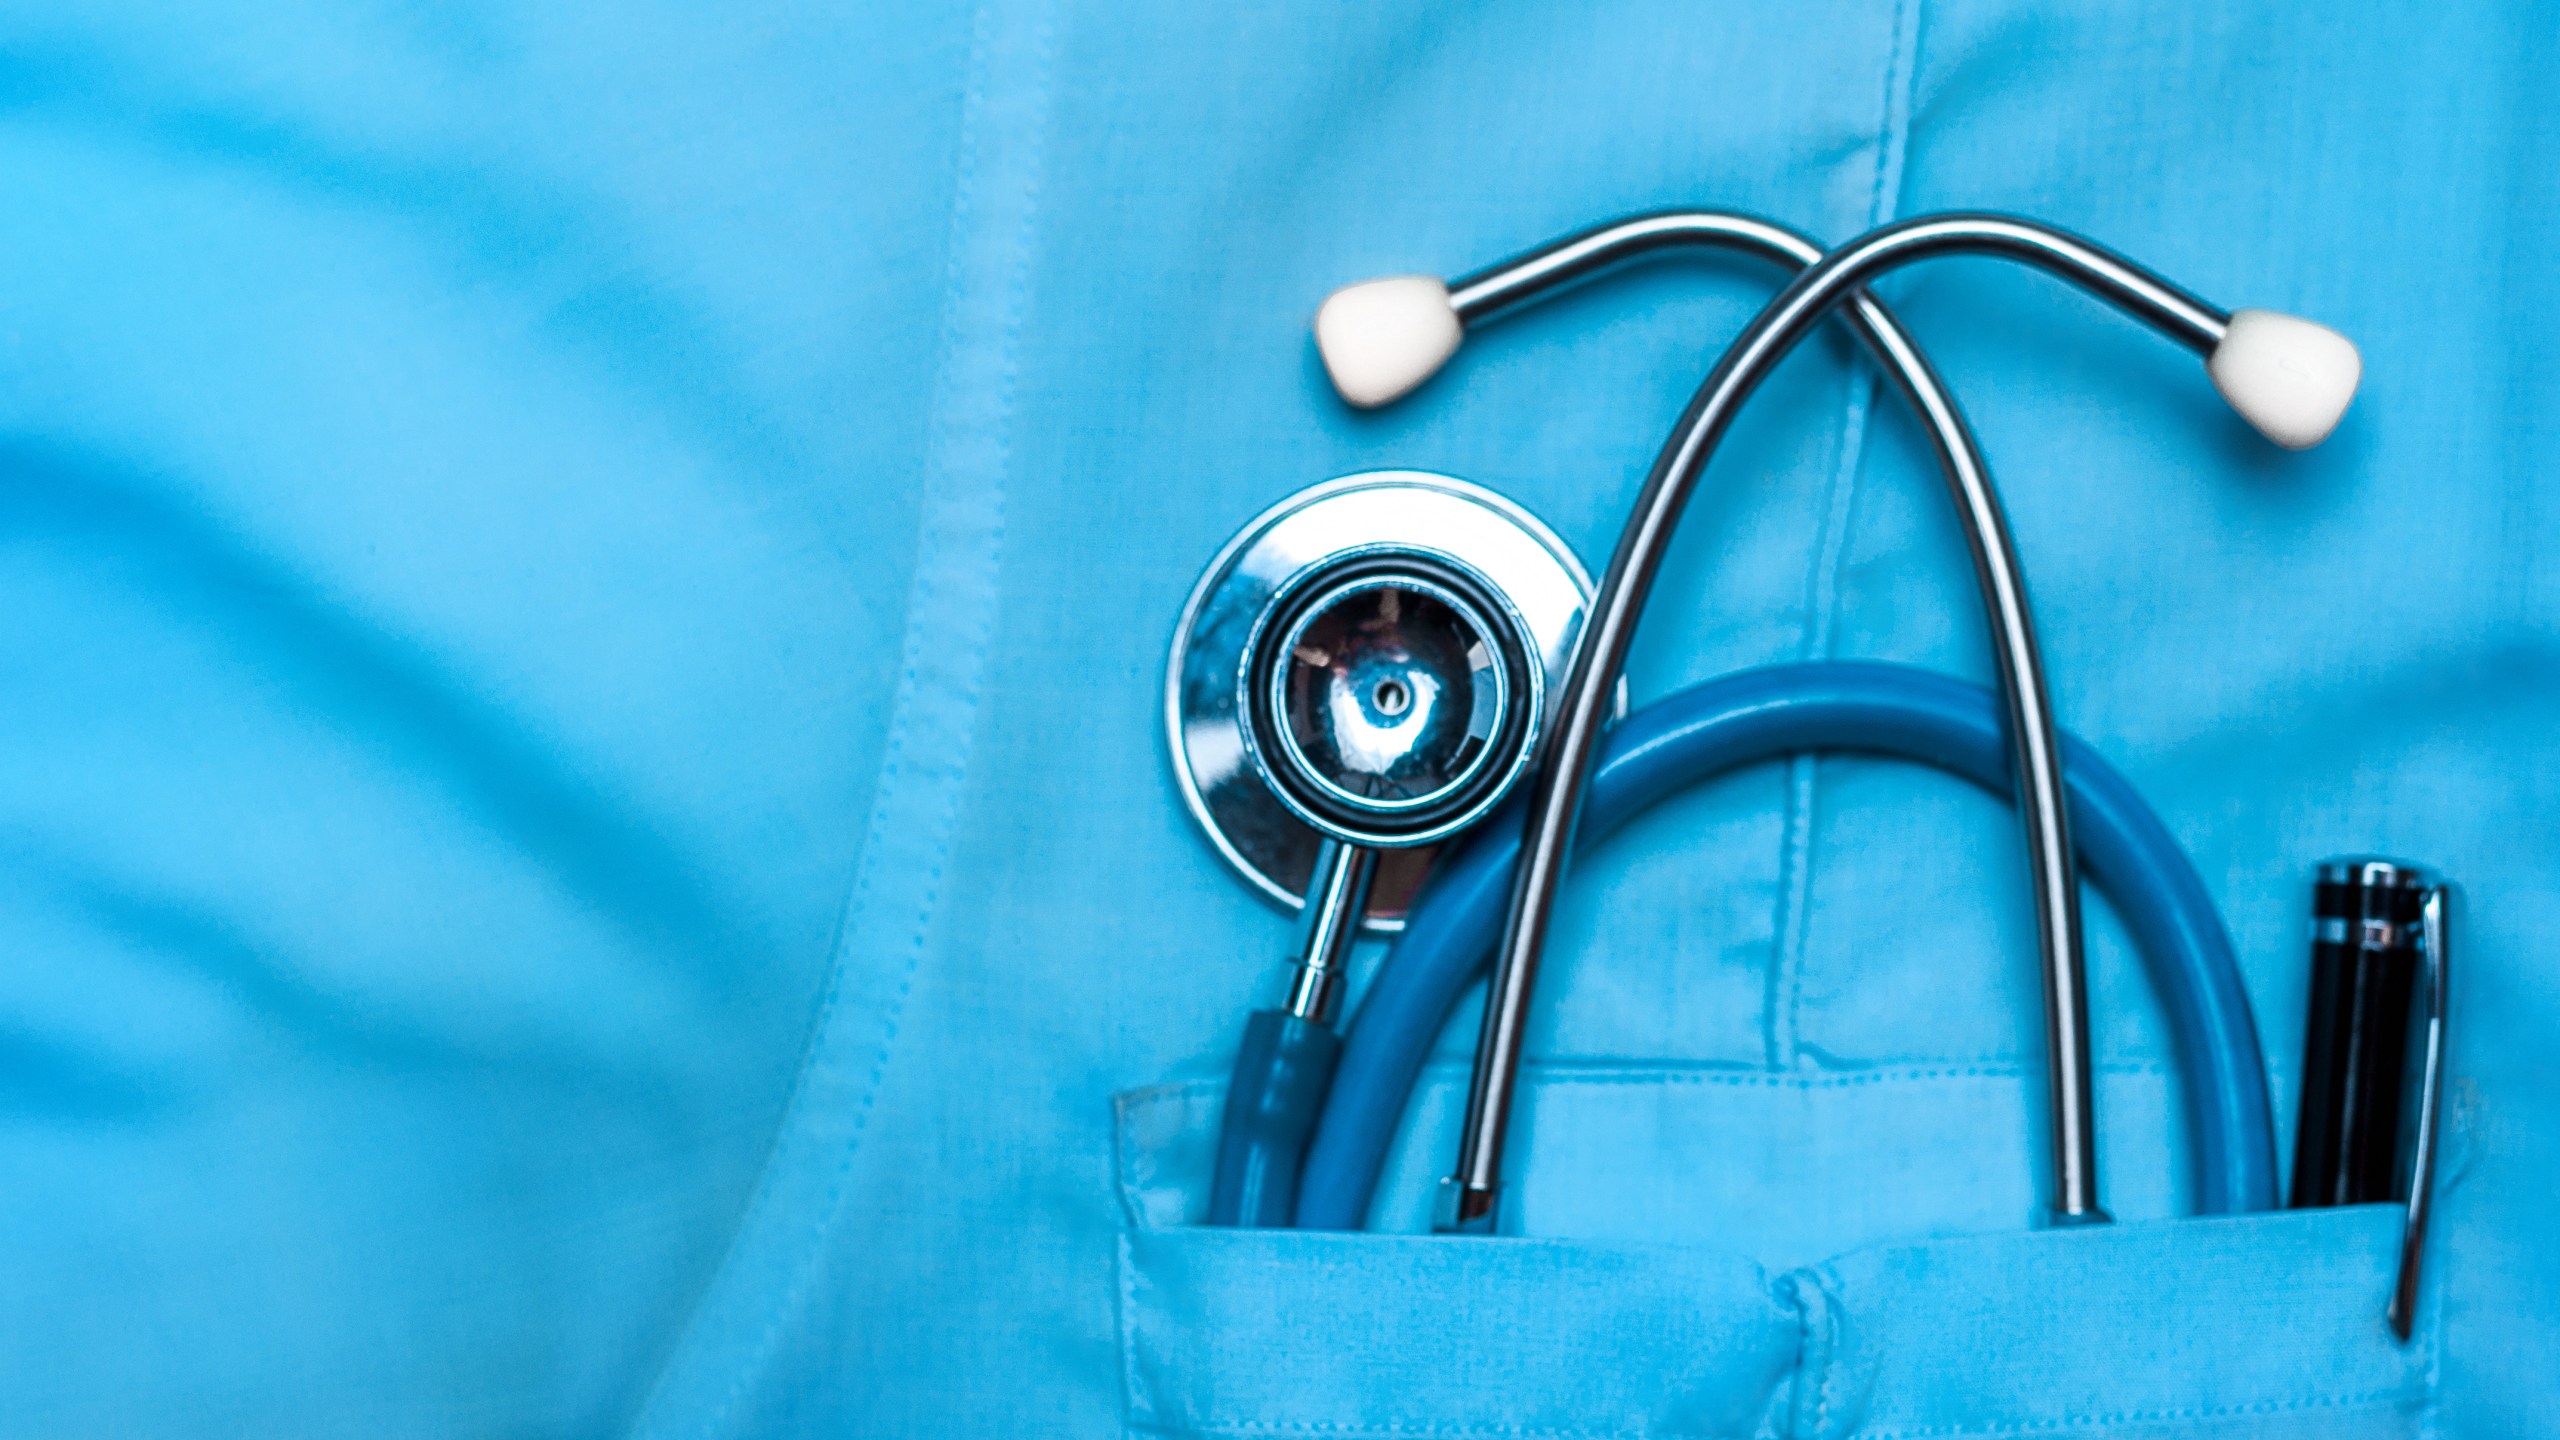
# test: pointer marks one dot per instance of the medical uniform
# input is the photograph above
(585, 847)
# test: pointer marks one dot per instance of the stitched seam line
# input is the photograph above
(923, 610)
(959, 549)
(1794, 1080)
(1123, 1177)
(1128, 1299)
(1783, 1006)
(1392, 1429)
(2434, 1286)
(1822, 583)
(1795, 897)
(1827, 1391)
(2396, 1396)
(1183, 1093)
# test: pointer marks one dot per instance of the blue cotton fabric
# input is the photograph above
(584, 842)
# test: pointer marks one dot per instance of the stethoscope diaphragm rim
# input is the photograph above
(1250, 828)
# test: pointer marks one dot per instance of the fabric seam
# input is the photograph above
(2399, 1396)
(1826, 1280)
(962, 523)
(1128, 1300)
(1795, 867)
(1396, 1431)
(1783, 1006)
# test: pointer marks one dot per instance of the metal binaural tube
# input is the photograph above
(2044, 820)
(1552, 269)
(1565, 761)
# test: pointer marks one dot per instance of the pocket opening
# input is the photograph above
(2258, 1324)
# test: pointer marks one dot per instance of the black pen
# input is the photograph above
(2355, 1049)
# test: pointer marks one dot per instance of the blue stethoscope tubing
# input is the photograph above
(1764, 714)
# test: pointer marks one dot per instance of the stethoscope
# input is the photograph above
(1374, 666)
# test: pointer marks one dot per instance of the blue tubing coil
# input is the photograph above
(1766, 714)
(1282, 1071)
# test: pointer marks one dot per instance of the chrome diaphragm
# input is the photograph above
(1368, 662)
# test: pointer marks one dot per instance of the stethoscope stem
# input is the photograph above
(1337, 898)
(1572, 742)
(1284, 1068)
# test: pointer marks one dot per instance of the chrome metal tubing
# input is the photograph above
(1470, 1195)
(1550, 270)
(1337, 896)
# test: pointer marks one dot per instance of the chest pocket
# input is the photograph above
(2265, 1324)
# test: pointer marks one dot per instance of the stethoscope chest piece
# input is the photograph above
(1367, 661)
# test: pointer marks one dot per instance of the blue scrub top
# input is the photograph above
(584, 842)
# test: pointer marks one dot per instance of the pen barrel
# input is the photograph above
(2364, 965)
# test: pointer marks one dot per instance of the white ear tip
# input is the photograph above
(1380, 338)
(2287, 376)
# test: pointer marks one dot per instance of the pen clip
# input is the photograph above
(2422, 1166)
